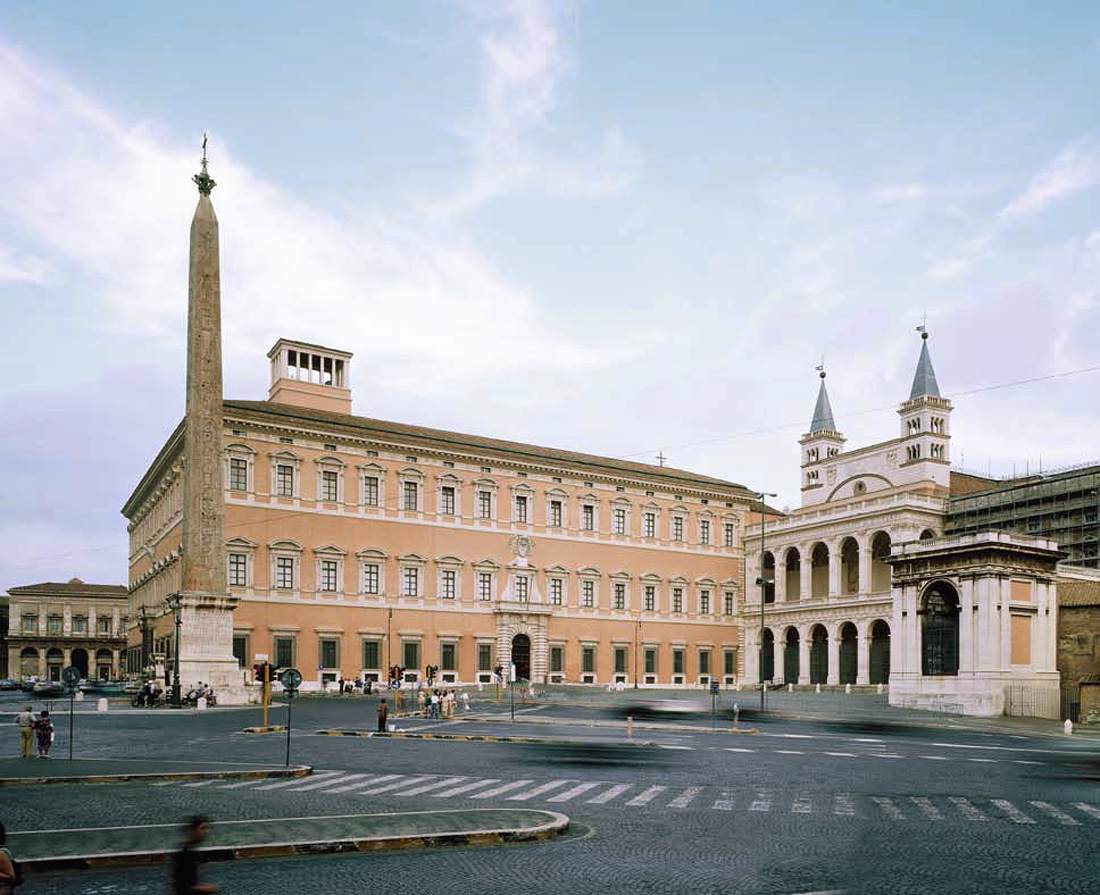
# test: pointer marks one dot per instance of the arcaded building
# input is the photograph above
(354, 544)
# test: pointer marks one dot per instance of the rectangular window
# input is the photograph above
(650, 598)
(677, 528)
(730, 659)
(704, 602)
(588, 660)
(30, 624)
(618, 521)
(447, 500)
(448, 584)
(727, 603)
(371, 580)
(103, 624)
(651, 661)
(284, 480)
(410, 581)
(649, 525)
(620, 596)
(328, 575)
(588, 517)
(80, 624)
(727, 535)
(555, 514)
(372, 654)
(704, 531)
(409, 492)
(522, 585)
(484, 505)
(677, 599)
(240, 649)
(484, 657)
(284, 652)
(329, 658)
(238, 569)
(556, 590)
(588, 592)
(557, 658)
(330, 481)
(448, 656)
(370, 491)
(410, 653)
(620, 660)
(520, 514)
(485, 585)
(53, 624)
(238, 474)
(284, 572)
(677, 661)
(704, 661)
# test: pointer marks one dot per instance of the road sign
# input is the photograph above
(71, 676)
(714, 686)
(291, 679)
(261, 657)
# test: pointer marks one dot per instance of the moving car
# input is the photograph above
(8, 684)
(48, 688)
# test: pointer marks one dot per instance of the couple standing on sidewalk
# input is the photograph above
(30, 728)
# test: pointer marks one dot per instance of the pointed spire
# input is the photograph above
(203, 179)
(924, 380)
(823, 410)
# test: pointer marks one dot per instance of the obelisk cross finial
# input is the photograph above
(203, 180)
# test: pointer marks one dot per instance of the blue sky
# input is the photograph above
(617, 227)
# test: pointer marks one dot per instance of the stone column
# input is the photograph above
(803, 658)
(834, 572)
(115, 666)
(864, 568)
(863, 656)
(67, 659)
(967, 662)
(805, 574)
(15, 664)
(750, 654)
(777, 659)
(1004, 601)
(833, 677)
(780, 578)
(42, 662)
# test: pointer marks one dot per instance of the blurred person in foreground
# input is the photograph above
(185, 863)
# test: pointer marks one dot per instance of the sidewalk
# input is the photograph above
(35, 771)
(42, 850)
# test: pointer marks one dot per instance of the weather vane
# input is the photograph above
(203, 180)
(821, 367)
(923, 328)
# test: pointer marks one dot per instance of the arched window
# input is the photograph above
(880, 653)
(793, 571)
(940, 631)
(819, 577)
(769, 577)
(767, 656)
(819, 655)
(849, 567)
(880, 569)
(790, 657)
(849, 648)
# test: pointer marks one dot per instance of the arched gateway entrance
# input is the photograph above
(521, 656)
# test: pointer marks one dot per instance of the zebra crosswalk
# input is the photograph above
(611, 794)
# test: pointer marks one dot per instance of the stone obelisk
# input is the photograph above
(206, 609)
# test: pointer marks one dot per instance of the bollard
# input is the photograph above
(736, 715)
(790, 688)
(848, 688)
(391, 727)
(101, 704)
(200, 703)
(817, 688)
(630, 725)
(878, 689)
(480, 686)
(1068, 727)
(79, 696)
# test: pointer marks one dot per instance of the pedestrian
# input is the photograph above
(383, 709)
(43, 730)
(10, 874)
(465, 701)
(185, 863)
(435, 704)
(25, 720)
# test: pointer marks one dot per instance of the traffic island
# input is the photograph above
(268, 728)
(35, 771)
(504, 738)
(45, 850)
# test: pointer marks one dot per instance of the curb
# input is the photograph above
(610, 725)
(271, 728)
(491, 738)
(296, 771)
(556, 826)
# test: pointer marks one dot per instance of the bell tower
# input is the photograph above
(926, 416)
(819, 445)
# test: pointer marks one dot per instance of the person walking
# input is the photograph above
(10, 874)
(25, 720)
(43, 730)
(465, 701)
(383, 709)
(185, 862)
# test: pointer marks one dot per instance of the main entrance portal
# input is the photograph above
(521, 656)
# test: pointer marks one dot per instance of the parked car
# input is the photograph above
(48, 689)
(8, 684)
(27, 686)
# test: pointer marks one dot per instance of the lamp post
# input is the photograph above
(763, 582)
(174, 604)
(637, 634)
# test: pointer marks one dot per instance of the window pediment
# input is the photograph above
(411, 558)
(331, 550)
(411, 472)
(285, 545)
(557, 570)
(449, 478)
(679, 579)
(707, 581)
(239, 448)
(371, 469)
(241, 543)
(285, 456)
(486, 565)
(372, 553)
(449, 561)
(332, 462)
(619, 576)
(651, 578)
(589, 572)
(557, 494)
(486, 484)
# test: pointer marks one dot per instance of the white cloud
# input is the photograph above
(1076, 168)
(899, 192)
(22, 268)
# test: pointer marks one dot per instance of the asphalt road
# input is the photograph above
(850, 804)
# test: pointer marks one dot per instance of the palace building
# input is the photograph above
(345, 545)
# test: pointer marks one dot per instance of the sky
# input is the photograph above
(617, 227)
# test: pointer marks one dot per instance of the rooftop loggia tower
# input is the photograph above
(311, 376)
(926, 421)
(820, 444)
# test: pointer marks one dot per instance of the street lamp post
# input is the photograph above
(637, 634)
(174, 605)
(763, 582)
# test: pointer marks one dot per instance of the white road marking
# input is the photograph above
(985, 760)
(926, 807)
(458, 790)
(1088, 809)
(1058, 814)
(538, 790)
(892, 810)
(685, 798)
(409, 781)
(841, 754)
(647, 796)
(672, 746)
(968, 810)
(1024, 761)
(345, 779)
(789, 752)
(604, 797)
(243, 783)
(763, 802)
(842, 805)
(201, 782)
(724, 803)
(370, 781)
(428, 787)
(867, 740)
(503, 788)
(884, 754)
(297, 781)
(934, 757)
(736, 749)
(170, 782)
(795, 736)
(1014, 814)
(577, 790)
(802, 805)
